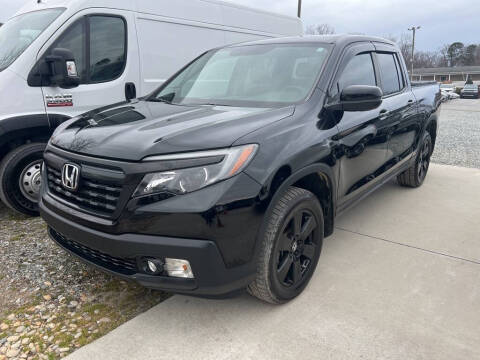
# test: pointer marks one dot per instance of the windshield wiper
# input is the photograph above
(160, 100)
(211, 104)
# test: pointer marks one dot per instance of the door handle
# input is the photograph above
(384, 113)
(130, 91)
(410, 101)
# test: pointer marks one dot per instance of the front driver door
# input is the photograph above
(362, 140)
(103, 60)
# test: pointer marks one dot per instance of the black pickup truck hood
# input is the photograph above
(131, 131)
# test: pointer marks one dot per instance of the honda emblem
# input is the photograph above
(70, 175)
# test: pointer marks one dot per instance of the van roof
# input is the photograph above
(214, 12)
(33, 5)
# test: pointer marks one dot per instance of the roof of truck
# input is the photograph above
(341, 39)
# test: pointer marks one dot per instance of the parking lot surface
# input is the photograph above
(458, 141)
(399, 279)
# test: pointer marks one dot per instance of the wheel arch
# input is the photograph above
(317, 178)
(22, 129)
(12, 139)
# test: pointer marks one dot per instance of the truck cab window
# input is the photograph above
(388, 71)
(359, 71)
(107, 48)
(400, 72)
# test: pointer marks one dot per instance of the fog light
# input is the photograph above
(178, 268)
(152, 266)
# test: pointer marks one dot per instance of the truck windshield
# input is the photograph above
(18, 33)
(249, 76)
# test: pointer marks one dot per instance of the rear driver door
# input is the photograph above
(103, 44)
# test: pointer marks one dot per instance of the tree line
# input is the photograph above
(449, 55)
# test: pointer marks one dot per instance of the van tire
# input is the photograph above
(13, 165)
(267, 286)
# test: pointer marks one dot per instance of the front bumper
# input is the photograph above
(117, 254)
(469, 95)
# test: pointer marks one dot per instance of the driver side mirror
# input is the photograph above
(358, 98)
(63, 68)
(361, 97)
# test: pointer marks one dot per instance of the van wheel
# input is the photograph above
(415, 175)
(290, 247)
(20, 178)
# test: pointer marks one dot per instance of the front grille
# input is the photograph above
(92, 195)
(123, 266)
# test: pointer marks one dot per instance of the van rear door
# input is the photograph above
(106, 56)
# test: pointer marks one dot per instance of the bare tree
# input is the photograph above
(469, 55)
(443, 55)
(423, 59)
(321, 29)
(455, 53)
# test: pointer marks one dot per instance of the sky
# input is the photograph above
(442, 21)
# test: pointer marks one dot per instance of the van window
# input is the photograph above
(388, 71)
(359, 71)
(19, 32)
(74, 40)
(105, 42)
(107, 48)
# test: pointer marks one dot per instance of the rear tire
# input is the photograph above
(290, 247)
(20, 178)
(415, 175)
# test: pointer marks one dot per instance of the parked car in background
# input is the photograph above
(62, 58)
(470, 91)
(231, 173)
(450, 95)
(447, 87)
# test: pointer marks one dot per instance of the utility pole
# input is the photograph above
(299, 14)
(413, 29)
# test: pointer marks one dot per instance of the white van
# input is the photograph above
(61, 58)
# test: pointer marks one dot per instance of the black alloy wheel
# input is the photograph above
(415, 175)
(290, 246)
(296, 249)
(423, 161)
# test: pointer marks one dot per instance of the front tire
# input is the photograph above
(290, 247)
(20, 178)
(415, 175)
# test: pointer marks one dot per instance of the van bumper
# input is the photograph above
(120, 255)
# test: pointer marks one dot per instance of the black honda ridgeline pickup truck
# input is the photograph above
(230, 175)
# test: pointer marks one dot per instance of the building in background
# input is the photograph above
(456, 75)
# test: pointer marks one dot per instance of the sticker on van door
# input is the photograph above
(59, 100)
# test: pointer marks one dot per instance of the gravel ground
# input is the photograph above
(458, 141)
(50, 303)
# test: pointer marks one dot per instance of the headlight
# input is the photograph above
(183, 181)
